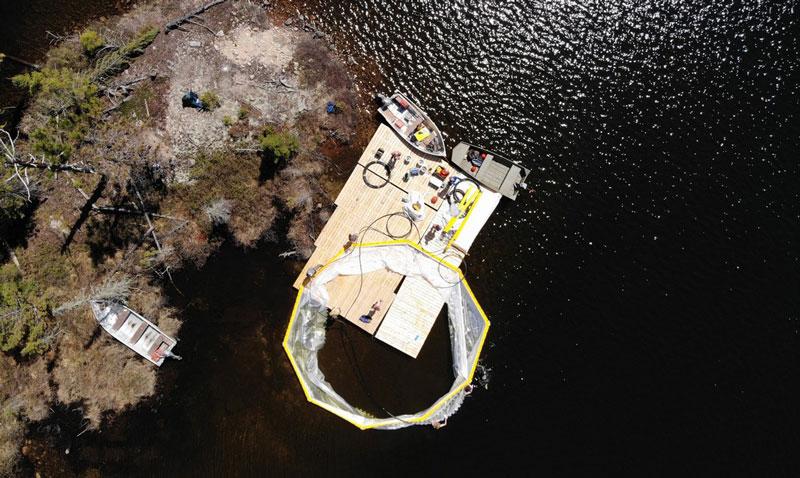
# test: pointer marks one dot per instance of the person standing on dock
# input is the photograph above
(367, 318)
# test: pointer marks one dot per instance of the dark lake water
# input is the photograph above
(645, 297)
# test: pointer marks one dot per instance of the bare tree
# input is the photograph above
(113, 289)
(219, 211)
(11, 158)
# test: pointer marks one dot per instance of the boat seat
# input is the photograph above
(412, 126)
(122, 316)
(161, 342)
(139, 332)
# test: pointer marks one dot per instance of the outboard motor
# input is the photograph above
(381, 100)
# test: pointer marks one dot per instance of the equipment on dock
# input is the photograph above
(441, 172)
(413, 281)
(413, 125)
(435, 182)
(414, 206)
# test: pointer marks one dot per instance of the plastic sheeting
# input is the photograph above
(306, 333)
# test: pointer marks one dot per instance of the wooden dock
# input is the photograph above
(411, 317)
(409, 305)
(358, 206)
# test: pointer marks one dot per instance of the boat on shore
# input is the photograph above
(413, 125)
(490, 169)
(133, 330)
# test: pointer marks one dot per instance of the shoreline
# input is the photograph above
(192, 241)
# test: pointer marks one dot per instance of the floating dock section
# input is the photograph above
(368, 206)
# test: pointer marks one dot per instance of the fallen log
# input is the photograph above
(9, 151)
(192, 22)
(184, 19)
(116, 210)
(152, 229)
(22, 62)
(132, 212)
(75, 168)
(124, 86)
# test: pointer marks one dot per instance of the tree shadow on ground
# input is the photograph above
(268, 167)
(15, 233)
(85, 211)
(107, 234)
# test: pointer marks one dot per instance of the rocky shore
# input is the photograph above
(158, 186)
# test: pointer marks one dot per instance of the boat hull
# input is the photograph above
(133, 330)
(490, 170)
(412, 124)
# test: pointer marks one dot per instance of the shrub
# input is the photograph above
(210, 100)
(11, 433)
(242, 113)
(91, 41)
(13, 208)
(23, 315)
(227, 120)
(66, 105)
(117, 61)
(278, 145)
(67, 55)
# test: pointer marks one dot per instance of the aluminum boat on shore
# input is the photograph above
(133, 330)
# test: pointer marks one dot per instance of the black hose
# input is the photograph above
(452, 195)
(411, 226)
(363, 233)
(386, 179)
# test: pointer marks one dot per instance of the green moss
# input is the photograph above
(210, 100)
(278, 145)
(91, 41)
(148, 257)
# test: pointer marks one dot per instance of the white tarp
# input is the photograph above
(306, 334)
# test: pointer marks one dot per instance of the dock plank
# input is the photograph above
(411, 317)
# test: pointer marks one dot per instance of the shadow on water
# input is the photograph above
(234, 405)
